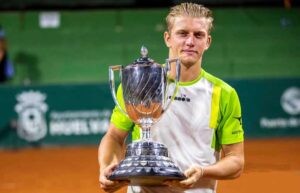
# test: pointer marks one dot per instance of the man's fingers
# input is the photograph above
(189, 172)
(193, 174)
(110, 169)
(111, 186)
(189, 182)
(106, 182)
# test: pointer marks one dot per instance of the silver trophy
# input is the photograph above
(146, 93)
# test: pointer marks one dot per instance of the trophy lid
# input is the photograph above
(144, 59)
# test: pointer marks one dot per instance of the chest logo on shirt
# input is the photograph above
(182, 98)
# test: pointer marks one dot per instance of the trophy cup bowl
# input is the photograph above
(145, 86)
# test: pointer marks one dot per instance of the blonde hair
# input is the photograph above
(191, 10)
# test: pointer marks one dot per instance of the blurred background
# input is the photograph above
(54, 88)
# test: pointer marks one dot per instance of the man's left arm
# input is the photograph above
(229, 167)
(231, 136)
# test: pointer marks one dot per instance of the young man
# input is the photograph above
(195, 131)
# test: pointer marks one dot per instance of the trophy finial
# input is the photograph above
(144, 51)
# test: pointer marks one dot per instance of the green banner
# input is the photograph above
(50, 115)
(270, 107)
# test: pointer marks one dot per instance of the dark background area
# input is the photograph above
(96, 4)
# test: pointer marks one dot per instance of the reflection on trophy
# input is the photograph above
(145, 85)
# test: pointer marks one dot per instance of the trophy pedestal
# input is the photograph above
(146, 163)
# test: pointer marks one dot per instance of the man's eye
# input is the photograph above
(182, 33)
(199, 35)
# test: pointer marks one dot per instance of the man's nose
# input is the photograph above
(190, 41)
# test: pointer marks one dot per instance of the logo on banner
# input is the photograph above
(31, 109)
(290, 101)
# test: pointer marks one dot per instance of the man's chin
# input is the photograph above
(188, 62)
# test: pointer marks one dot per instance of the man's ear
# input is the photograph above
(208, 42)
(167, 38)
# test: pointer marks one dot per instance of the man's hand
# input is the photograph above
(108, 185)
(193, 174)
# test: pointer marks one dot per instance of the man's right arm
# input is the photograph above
(110, 153)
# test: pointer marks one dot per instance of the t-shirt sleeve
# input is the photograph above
(118, 118)
(230, 128)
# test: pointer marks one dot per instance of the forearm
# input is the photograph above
(229, 167)
(110, 151)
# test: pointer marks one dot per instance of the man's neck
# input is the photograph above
(189, 73)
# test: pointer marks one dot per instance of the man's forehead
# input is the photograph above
(187, 22)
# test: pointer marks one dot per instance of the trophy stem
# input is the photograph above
(146, 135)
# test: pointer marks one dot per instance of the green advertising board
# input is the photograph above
(79, 114)
(51, 115)
(270, 107)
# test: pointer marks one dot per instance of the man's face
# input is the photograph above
(188, 39)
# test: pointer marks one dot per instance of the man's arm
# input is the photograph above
(110, 153)
(229, 167)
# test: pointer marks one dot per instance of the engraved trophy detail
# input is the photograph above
(145, 85)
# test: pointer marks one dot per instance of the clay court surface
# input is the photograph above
(272, 166)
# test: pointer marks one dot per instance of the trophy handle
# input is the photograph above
(111, 73)
(176, 81)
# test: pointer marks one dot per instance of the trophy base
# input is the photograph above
(146, 163)
(147, 180)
